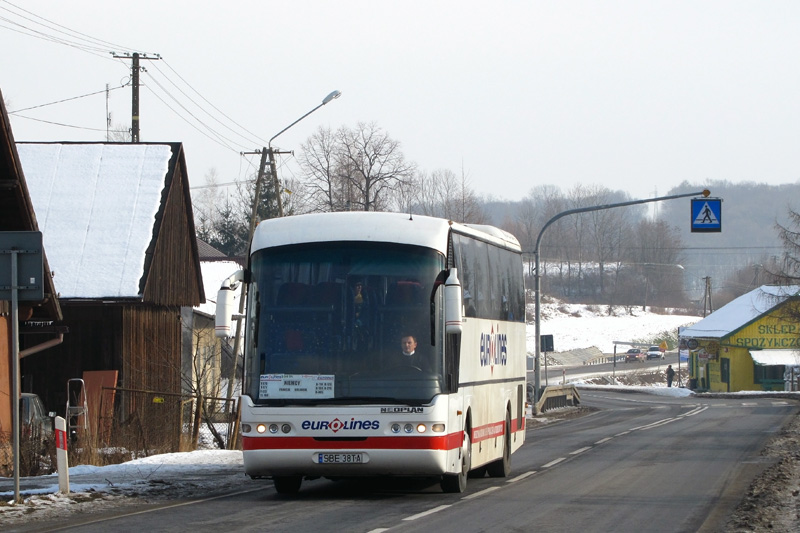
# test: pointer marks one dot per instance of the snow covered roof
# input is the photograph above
(775, 357)
(214, 272)
(96, 205)
(741, 312)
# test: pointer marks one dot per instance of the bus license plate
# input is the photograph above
(340, 458)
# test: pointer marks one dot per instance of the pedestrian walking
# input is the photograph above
(670, 375)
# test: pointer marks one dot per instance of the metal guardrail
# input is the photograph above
(556, 396)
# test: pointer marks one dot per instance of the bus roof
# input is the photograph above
(400, 228)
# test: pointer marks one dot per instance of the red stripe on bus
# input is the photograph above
(444, 442)
(496, 429)
(488, 431)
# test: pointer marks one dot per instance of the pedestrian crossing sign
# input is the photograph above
(706, 215)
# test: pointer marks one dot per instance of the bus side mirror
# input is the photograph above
(452, 303)
(225, 304)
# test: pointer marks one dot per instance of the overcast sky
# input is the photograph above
(634, 95)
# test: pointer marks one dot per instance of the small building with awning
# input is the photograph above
(752, 343)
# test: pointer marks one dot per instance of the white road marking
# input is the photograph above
(427, 513)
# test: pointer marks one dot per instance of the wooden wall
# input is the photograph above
(173, 276)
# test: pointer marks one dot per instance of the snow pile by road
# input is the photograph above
(184, 474)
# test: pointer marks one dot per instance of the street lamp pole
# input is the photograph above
(265, 153)
(537, 278)
(273, 169)
(268, 155)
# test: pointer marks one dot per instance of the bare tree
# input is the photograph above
(371, 166)
(606, 229)
(443, 194)
(790, 237)
(319, 161)
(119, 133)
(467, 208)
(657, 256)
(407, 194)
(433, 193)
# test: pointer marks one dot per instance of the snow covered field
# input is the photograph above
(576, 326)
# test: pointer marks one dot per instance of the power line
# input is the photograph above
(220, 138)
(65, 100)
(33, 25)
(62, 124)
(259, 139)
(97, 45)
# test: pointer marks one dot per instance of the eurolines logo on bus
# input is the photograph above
(337, 425)
(494, 348)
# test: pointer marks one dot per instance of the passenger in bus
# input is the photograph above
(358, 302)
(360, 315)
(410, 357)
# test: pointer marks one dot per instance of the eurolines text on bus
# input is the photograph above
(336, 425)
(494, 349)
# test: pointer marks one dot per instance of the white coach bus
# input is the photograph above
(328, 390)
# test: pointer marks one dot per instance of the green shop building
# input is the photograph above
(752, 343)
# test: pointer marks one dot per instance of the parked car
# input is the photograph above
(36, 424)
(654, 352)
(634, 355)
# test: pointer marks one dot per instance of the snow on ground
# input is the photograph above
(203, 472)
(575, 326)
(179, 474)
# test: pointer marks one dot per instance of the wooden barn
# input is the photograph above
(117, 222)
(16, 214)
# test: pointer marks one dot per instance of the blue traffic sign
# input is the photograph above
(706, 215)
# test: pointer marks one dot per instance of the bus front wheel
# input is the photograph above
(458, 482)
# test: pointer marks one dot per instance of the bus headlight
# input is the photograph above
(395, 428)
(261, 428)
(421, 428)
(246, 428)
(273, 428)
(438, 428)
(408, 428)
(286, 428)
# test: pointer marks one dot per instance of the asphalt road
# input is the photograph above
(638, 462)
(553, 375)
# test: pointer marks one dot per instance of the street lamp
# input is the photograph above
(270, 153)
(332, 96)
(537, 277)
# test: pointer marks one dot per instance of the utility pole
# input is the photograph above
(267, 155)
(135, 68)
(274, 170)
(108, 116)
(707, 304)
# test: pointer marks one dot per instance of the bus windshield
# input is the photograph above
(327, 320)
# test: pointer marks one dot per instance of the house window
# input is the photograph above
(768, 374)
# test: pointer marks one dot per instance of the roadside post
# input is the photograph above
(20, 280)
(62, 461)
